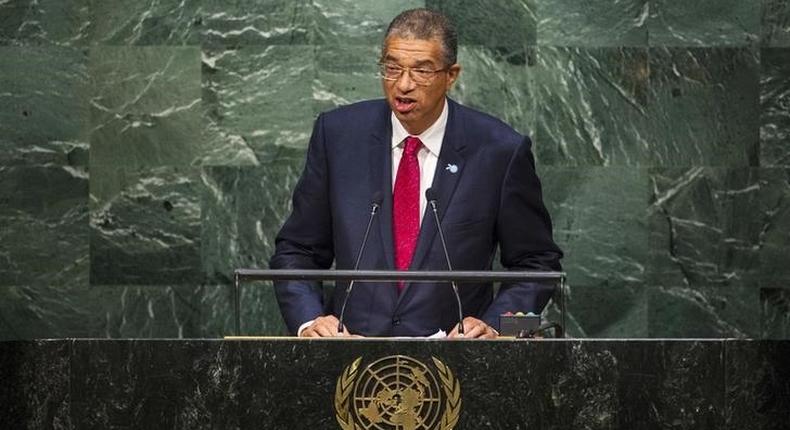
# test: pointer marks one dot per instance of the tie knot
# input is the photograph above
(413, 145)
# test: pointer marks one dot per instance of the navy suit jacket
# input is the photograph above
(493, 198)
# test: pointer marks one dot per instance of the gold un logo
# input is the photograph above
(397, 393)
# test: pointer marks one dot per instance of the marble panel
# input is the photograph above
(243, 209)
(163, 384)
(43, 98)
(714, 226)
(36, 378)
(704, 107)
(775, 107)
(775, 312)
(496, 23)
(178, 311)
(45, 311)
(166, 22)
(598, 216)
(44, 22)
(44, 218)
(261, 96)
(116, 311)
(704, 23)
(758, 385)
(353, 22)
(236, 23)
(703, 312)
(592, 106)
(145, 106)
(776, 23)
(344, 74)
(497, 81)
(608, 310)
(145, 226)
(664, 384)
(593, 23)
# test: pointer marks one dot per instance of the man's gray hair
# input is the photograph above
(425, 24)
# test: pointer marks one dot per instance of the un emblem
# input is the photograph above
(397, 393)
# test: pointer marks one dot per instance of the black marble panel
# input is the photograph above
(129, 384)
(664, 384)
(499, 23)
(281, 383)
(704, 107)
(703, 312)
(704, 23)
(775, 312)
(44, 217)
(593, 23)
(44, 22)
(145, 226)
(145, 107)
(713, 226)
(776, 23)
(758, 385)
(775, 107)
(591, 106)
(36, 380)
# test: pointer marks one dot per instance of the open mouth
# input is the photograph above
(404, 104)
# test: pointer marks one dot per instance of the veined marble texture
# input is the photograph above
(148, 148)
(704, 23)
(775, 107)
(595, 23)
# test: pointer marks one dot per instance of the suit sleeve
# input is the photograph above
(524, 232)
(305, 240)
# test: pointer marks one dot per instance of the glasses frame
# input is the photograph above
(383, 64)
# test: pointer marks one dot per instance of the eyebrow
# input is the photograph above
(419, 63)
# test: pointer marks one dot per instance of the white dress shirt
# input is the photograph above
(427, 157)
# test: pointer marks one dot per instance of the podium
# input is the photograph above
(287, 383)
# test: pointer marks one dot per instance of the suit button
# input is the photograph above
(396, 321)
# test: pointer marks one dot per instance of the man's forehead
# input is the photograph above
(412, 48)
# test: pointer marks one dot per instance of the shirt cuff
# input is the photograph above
(303, 327)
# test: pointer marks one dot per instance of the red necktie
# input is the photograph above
(406, 206)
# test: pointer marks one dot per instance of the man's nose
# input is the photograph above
(405, 82)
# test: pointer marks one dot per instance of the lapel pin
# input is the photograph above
(452, 168)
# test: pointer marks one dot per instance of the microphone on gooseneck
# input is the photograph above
(431, 197)
(375, 204)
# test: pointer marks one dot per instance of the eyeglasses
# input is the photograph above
(393, 72)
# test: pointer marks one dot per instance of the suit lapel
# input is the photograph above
(449, 169)
(380, 162)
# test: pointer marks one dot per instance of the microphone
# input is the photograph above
(431, 197)
(375, 204)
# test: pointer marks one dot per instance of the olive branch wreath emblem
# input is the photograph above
(345, 386)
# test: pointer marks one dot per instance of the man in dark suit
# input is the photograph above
(480, 169)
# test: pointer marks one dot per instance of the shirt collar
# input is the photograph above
(431, 138)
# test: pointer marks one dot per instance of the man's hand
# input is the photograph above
(474, 329)
(325, 327)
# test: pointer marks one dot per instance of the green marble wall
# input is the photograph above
(147, 148)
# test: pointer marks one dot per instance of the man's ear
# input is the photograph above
(452, 75)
